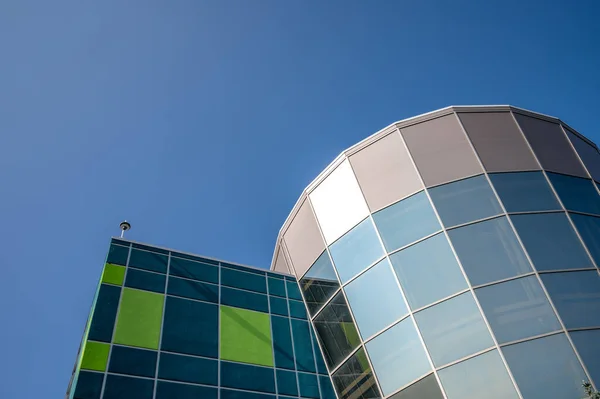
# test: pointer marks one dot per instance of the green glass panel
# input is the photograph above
(95, 356)
(246, 336)
(140, 315)
(113, 274)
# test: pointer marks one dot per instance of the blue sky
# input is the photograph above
(202, 121)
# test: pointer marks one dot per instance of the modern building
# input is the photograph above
(453, 255)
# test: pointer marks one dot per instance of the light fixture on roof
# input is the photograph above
(125, 225)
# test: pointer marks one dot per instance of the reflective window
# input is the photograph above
(245, 376)
(551, 241)
(247, 281)
(243, 299)
(132, 361)
(117, 255)
(293, 291)
(305, 360)
(319, 283)
(406, 221)
(577, 194)
(193, 289)
(321, 368)
(465, 200)
(336, 331)
(309, 387)
(427, 387)
(127, 387)
(89, 385)
(589, 229)
(187, 369)
(398, 357)
(576, 296)
(282, 342)
(428, 271)
(489, 251)
(327, 391)
(483, 376)
(169, 390)
(231, 394)
(105, 313)
(356, 250)
(278, 306)
(145, 281)
(286, 383)
(545, 368)
(276, 287)
(375, 299)
(525, 191)
(517, 309)
(194, 270)
(297, 309)
(453, 329)
(586, 343)
(354, 379)
(148, 261)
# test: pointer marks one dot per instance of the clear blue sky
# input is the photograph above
(201, 122)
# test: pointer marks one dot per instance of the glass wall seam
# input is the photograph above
(291, 336)
(465, 358)
(518, 341)
(318, 312)
(562, 129)
(378, 333)
(465, 290)
(162, 322)
(504, 280)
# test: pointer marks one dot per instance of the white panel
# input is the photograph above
(338, 203)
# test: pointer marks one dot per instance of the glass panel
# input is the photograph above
(577, 194)
(517, 309)
(327, 391)
(551, 241)
(193, 289)
(277, 287)
(305, 360)
(113, 274)
(297, 309)
(428, 271)
(139, 319)
(489, 251)
(293, 291)
(278, 306)
(589, 228)
(247, 281)
(309, 387)
(465, 200)
(406, 221)
(375, 299)
(117, 255)
(229, 394)
(336, 331)
(145, 281)
(286, 383)
(398, 357)
(356, 250)
(545, 368)
(148, 261)
(319, 283)
(169, 390)
(354, 379)
(89, 385)
(190, 327)
(576, 296)
(453, 329)
(524, 192)
(282, 343)
(105, 313)
(321, 368)
(245, 376)
(124, 360)
(244, 299)
(427, 388)
(187, 369)
(483, 376)
(245, 336)
(194, 270)
(586, 343)
(95, 356)
(118, 387)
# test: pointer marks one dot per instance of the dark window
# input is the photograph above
(577, 194)
(187, 369)
(327, 391)
(145, 281)
(192, 289)
(89, 385)
(169, 390)
(286, 383)
(124, 360)
(278, 306)
(354, 379)
(319, 283)
(297, 309)
(282, 342)
(244, 299)
(524, 192)
(148, 261)
(247, 281)
(293, 291)
(303, 347)
(194, 270)
(244, 376)
(277, 287)
(309, 386)
(117, 255)
(105, 312)
(118, 387)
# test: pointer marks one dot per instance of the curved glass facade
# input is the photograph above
(454, 255)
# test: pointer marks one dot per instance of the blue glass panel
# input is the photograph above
(194, 270)
(276, 287)
(297, 309)
(228, 394)
(278, 306)
(453, 329)
(89, 385)
(244, 299)
(524, 191)
(517, 309)
(428, 271)
(375, 299)
(282, 343)
(150, 248)
(489, 251)
(293, 291)
(194, 258)
(465, 200)
(247, 281)
(118, 241)
(406, 221)
(354, 379)
(587, 345)
(309, 387)
(427, 387)
(117, 255)
(246, 269)
(483, 376)
(124, 360)
(105, 312)
(118, 387)
(398, 357)
(305, 360)
(327, 391)
(551, 241)
(187, 369)
(148, 261)
(589, 229)
(169, 390)
(245, 376)
(576, 296)
(545, 368)
(286, 383)
(356, 250)
(145, 281)
(576, 194)
(193, 289)
(319, 283)
(190, 327)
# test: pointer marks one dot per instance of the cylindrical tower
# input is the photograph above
(454, 255)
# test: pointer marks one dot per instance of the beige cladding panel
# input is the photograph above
(498, 141)
(385, 172)
(303, 240)
(281, 264)
(441, 150)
